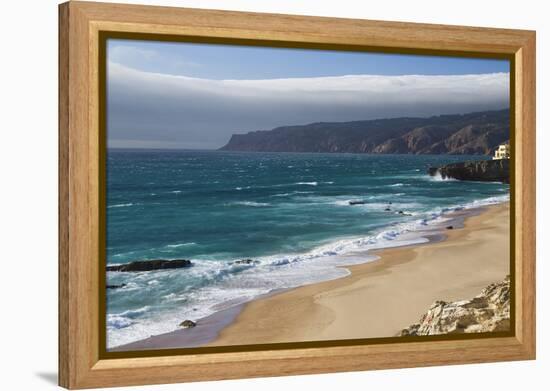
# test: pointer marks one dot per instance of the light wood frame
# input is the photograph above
(80, 26)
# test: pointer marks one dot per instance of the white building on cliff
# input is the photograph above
(502, 152)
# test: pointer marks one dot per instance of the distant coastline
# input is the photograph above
(471, 133)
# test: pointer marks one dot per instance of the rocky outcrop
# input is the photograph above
(482, 170)
(115, 286)
(187, 324)
(155, 264)
(487, 312)
(473, 133)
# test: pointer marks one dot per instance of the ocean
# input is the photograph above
(288, 212)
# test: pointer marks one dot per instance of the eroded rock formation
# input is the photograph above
(487, 312)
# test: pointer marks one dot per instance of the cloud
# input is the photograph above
(159, 110)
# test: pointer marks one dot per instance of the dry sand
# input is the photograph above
(382, 297)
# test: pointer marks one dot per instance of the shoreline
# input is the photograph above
(325, 310)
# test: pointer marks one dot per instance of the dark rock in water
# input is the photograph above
(116, 286)
(449, 227)
(402, 213)
(433, 171)
(356, 202)
(482, 170)
(156, 264)
(387, 209)
(187, 324)
(245, 262)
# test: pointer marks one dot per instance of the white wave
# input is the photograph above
(439, 214)
(488, 201)
(346, 202)
(118, 322)
(439, 178)
(120, 205)
(396, 185)
(126, 318)
(290, 193)
(388, 235)
(180, 245)
(250, 203)
(134, 313)
(307, 183)
(281, 195)
(343, 248)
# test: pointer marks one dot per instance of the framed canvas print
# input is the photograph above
(251, 195)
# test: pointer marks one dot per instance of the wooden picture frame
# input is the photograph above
(82, 363)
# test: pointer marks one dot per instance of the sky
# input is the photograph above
(195, 96)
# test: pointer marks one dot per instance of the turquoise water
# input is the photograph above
(289, 212)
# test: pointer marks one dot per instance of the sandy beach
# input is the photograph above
(380, 298)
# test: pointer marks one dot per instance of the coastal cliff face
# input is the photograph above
(487, 312)
(474, 133)
(483, 170)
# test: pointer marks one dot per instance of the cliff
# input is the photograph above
(483, 170)
(487, 312)
(473, 133)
